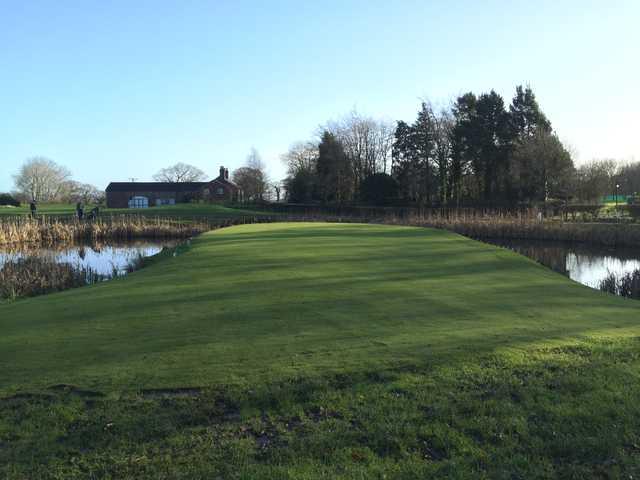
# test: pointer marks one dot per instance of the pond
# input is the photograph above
(103, 259)
(585, 264)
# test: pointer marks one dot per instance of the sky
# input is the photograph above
(119, 89)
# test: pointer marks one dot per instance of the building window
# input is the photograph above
(138, 202)
(220, 191)
(206, 191)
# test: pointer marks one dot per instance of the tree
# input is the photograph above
(277, 188)
(301, 184)
(464, 147)
(525, 115)
(41, 179)
(379, 189)
(251, 181)
(413, 156)
(628, 176)
(493, 142)
(366, 142)
(443, 124)
(82, 192)
(180, 172)
(8, 199)
(595, 180)
(542, 168)
(302, 187)
(405, 163)
(335, 176)
(252, 178)
(302, 156)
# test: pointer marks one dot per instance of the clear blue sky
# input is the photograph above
(118, 89)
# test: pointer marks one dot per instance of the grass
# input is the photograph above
(323, 351)
(181, 210)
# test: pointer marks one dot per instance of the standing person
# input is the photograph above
(79, 210)
(32, 207)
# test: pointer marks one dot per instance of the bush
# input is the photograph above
(379, 189)
(8, 199)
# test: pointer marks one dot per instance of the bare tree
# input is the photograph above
(596, 179)
(252, 178)
(301, 157)
(541, 168)
(180, 172)
(251, 181)
(277, 188)
(367, 143)
(41, 179)
(82, 192)
(443, 124)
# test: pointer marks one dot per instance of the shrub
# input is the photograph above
(8, 199)
(379, 189)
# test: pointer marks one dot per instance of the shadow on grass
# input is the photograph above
(560, 412)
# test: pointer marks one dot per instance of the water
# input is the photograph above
(585, 264)
(103, 259)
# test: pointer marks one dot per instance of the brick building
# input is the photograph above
(142, 194)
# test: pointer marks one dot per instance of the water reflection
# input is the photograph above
(102, 258)
(583, 263)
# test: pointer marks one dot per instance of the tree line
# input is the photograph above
(476, 151)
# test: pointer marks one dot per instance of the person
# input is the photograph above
(32, 207)
(93, 214)
(79, 210)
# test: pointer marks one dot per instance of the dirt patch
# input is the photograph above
(183, 392)
(73, 390)
(27, 396)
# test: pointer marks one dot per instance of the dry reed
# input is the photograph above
(45, 231)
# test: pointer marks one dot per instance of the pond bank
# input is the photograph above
(583, 263)
(32, 271)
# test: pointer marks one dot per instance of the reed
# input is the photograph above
(527, 226)
(494, 224)
(627, 285)
(45, 231)
(31, 276)
(474, 223)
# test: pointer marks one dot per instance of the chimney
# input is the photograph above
(222, 172)
(226, 174)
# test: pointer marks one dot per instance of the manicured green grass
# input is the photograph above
(181, 210)
(323, 351)
(58, 209)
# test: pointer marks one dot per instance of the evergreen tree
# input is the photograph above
(464, 147)
(494, 141)
(413, 157)
(335, 176)
(526, 117)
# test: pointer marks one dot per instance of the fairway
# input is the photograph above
(381, 322)
(275, 299)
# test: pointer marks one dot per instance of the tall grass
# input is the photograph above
(626, 285)
(31, 276)
(44, 231)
